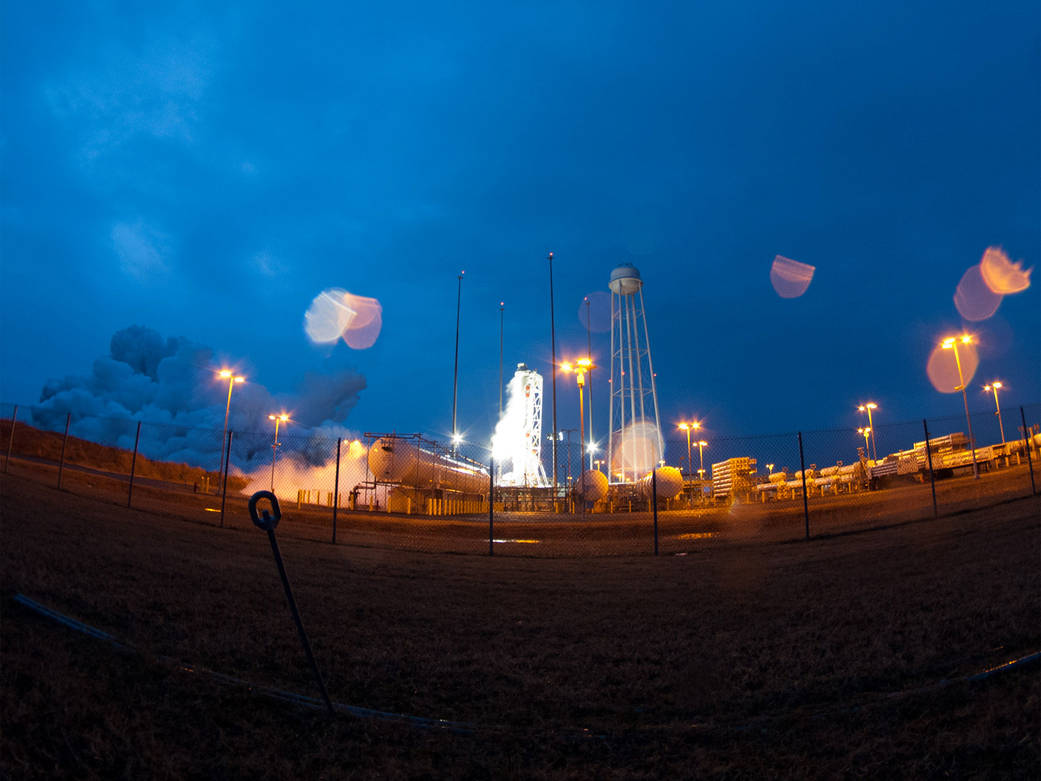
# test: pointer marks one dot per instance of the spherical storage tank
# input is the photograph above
(625, 280)
(394, 460)
(592, 485)
(670, 482)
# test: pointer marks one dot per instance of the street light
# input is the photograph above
(996, 386)
(866, 431)
(867, 407)
(283, 418)
(553, 362)
(580, 367)
(233, 379)
(951, 343)
(598, 463)
(455, 370)
(702, 444)
(689, 426)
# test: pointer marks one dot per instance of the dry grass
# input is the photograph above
(738, 659)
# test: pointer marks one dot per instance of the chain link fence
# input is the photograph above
(411, 492)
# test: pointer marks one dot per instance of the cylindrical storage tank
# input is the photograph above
(592, 485)
(670, 483)
(399, 461)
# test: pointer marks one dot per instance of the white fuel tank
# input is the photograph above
(592, 485)
(670, 482)
(393, 460)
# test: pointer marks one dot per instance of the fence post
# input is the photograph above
(224, 487)
(133, 464)
(1027, 441)
(336, 487)
(805, 501)
(932, 477)
(64, 442)
(10, 438)
(654, 504)
(491, 507)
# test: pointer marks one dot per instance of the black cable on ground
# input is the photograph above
(468, 728)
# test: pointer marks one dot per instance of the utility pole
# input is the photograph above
(553, 355)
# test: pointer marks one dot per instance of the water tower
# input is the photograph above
(635, 444)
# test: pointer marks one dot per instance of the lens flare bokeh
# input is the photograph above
(1001, 275)
(790, 278)
(637, 450)
(974, 299)
(336, 313)
(364, 329)
(943, 367)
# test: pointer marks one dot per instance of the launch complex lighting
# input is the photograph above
(283, 418)
(867, 407)
(995, 386)
(951, 343)
(580, 367)
(866, 431)
(689, 426)
(233, 379)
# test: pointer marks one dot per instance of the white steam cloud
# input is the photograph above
(171, 385)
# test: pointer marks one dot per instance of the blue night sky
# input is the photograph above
(206, 172)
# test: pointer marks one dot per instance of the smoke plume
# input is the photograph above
(170, 384)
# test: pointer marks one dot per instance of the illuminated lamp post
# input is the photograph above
(868, 407)
(455, 371)
(598, 463)
(580, 367)
(233, 380)
(589, 351)
(283, 418)
(688, 427)
(553, 360)
(866, 431)
(502, 307)
(995, 387)
(702, 444)
(951, 343)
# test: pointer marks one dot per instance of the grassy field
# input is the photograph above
(841, 656)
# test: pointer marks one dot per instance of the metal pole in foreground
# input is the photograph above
(268, 523)
(1030, 461)
(553, 357)
(502, 306)
(654, 504)
(932, 476)
(64, 442)
(581, 437)
(968, 418)
(455, 371)
(224, 488)
(133, 464)
(10, 438)
(589, 354)
(805, 501)
(491, 507)
(336, 487)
